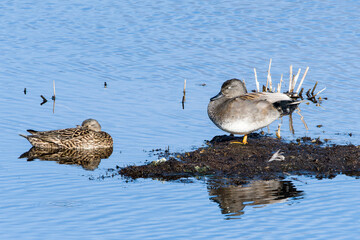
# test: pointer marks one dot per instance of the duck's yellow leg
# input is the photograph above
(244, 141)
(278, 132)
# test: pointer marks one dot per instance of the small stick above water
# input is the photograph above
(293, 84)
(320, 92)
(302, 80)
(312, 92)
(184, 86)
(268, 81)
(256, 81)
(44, 100)
(184, 92)
(279, 85)
(300, 93)
(53, 97)
(302, 118)
(290, 78)
(291, 126)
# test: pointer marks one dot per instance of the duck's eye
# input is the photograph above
(229, 88)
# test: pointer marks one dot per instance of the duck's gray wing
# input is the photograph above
(267, 96)
(247, 107)
(281, 102)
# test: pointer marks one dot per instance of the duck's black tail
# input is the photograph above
(286, 107)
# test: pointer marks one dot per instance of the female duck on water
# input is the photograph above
(86, 136)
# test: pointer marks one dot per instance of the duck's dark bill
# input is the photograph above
(219, 95)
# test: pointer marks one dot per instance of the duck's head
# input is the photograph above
(91, 124)
(230, 89)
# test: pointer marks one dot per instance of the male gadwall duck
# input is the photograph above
(86, 136)
(238, 112)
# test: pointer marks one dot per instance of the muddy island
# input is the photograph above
(263, 158)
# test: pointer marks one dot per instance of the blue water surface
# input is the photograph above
(144, 50)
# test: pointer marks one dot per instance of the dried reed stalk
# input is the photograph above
(291, 126)
(290, 78)
(54, 90)
(268, 80)
(256, 81)
(302, 118)
(302, 80)
(279, 85)
(184, 92)
(320, 92)
(312, 92)
(295, 80)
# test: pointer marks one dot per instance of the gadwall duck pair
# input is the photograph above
(233, 110)
(236, 111)
(86, 136)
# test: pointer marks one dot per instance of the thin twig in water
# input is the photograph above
(290, 78)
(184, 92)
(302, 79)
(302, 118)
(256, 81)
(184, 86)
(300, 93)
(53, 97)
(319, 92)
(279, 85)
(44, 100)
(312, 92)
(295, 80)
(291, 126)
(268, 80)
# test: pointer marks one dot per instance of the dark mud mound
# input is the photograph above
(225, 158)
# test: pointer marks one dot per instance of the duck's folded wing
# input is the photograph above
(63, 135)
(268, 96)
(256, 110)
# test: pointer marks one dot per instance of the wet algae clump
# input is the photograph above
(224, 158)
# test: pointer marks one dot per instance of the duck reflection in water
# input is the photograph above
(233, 199)
(89, 159)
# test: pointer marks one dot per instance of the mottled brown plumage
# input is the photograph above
(86, 136)
(89, 159)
